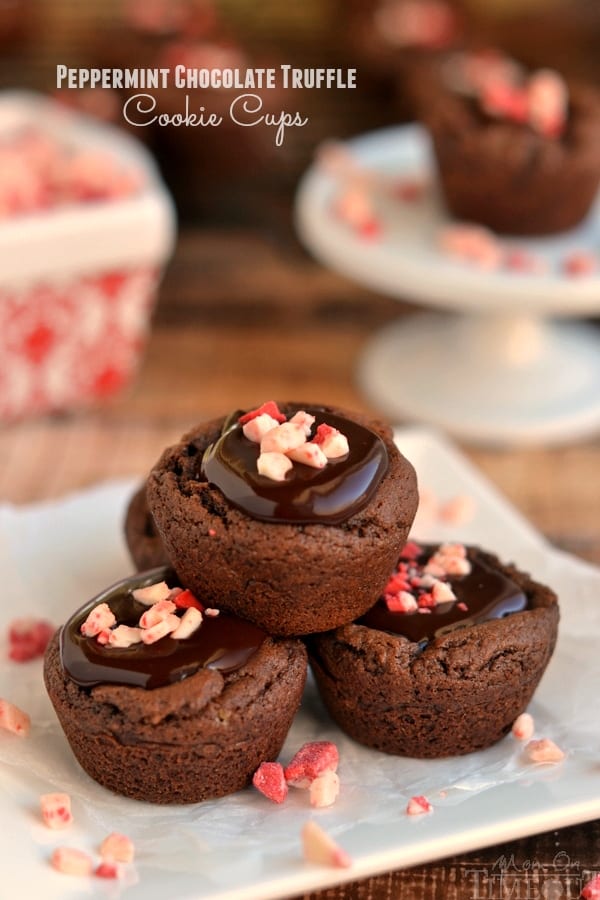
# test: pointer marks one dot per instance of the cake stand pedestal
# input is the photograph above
(498, 363)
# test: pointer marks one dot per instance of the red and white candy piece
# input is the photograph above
(56, 810)
(123, 636)
(471, 243)
(117, 847)
(580, 263)
(274, 465)
(332, 442)
(161, 629)
(418, 806)
(402, 602)
(449, 559)
(283, 438)
(28, 638)
(312, 759)
(318, 847)
(70, 861)
(304, 419)
(190, 622)
(324, 789)
(257, 428)
(151, 594)
(107, 869)
(523, 727)
(309, 454)
(99, 619)
(543, 751)
(547, 102)
(270, 408)
(270, 781)
(158, 612)
(14, 719)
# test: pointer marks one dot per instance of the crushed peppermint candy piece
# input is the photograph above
(417, 806)
(161, 629)
(580, 263)
(310, 454)
(56, 810)
(543, 751)
(269, 408)
(151, 594)
(270, 781)
(523, 727)
(332, 442)
(284, 442)
(28, 638)
(117, 847)
(189, 623)
(324, 789)
(123, 636)
(419, 585)
(257, 428)
(14, 719)
(274, 465)
(283, 438)
(471, 243)
(211, 611)
(312, 759)
(185, 599)
(70, 861)
(107, 870)
(157, 613)
(318, 847)
(547, 102)
(99, 618)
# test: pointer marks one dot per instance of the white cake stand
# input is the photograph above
(494, 369)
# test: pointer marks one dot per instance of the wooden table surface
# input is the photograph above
(246, 316)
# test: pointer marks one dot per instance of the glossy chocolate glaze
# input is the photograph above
(224, 642)
(331, 495)
(486, 591)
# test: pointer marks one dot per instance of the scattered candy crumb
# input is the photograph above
(117, 847)
(318, 847)
(312, 759)
(418, 806)
(28, 638)
(523, 727)
(324, 789)
(270, 781)
(56, 810)
(107, 870)
(544, 751)
(14, 719)
(472, 243)
(580, 263)
(70, 861)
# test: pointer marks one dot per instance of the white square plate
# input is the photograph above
(56, 555)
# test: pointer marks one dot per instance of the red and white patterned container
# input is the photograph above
(78, 280)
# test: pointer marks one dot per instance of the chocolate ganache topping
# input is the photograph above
(224, 642)
(307, 495)
(481, 594)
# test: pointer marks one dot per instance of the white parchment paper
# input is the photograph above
(57, 555)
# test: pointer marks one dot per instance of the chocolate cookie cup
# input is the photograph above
(173, 721)
(141, 535)
(308, 553)
(460, 683)
(502, 173)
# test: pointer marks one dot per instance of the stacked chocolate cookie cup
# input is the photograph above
(286, 524)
